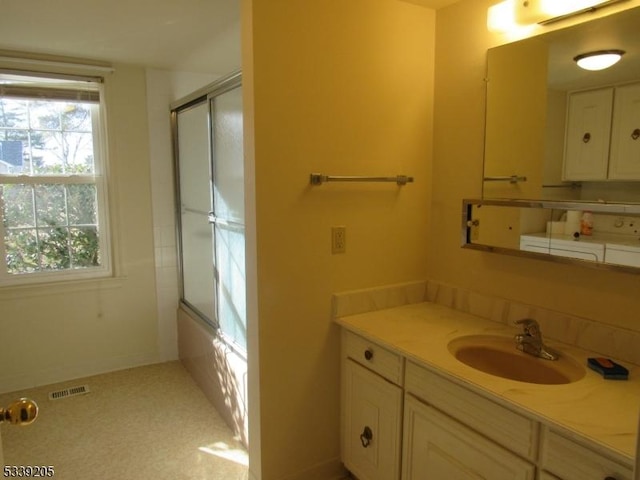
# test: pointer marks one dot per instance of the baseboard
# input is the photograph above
(24, 381)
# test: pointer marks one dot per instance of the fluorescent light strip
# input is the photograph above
(580, 11)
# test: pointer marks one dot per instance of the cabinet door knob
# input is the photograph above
(586, 137)
(368, 354)
(635, 134)
(366, 436)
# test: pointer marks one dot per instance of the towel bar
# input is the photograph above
(319, 179)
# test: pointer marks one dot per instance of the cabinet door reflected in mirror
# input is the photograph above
(590, 234)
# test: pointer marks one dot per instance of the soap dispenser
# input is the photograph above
(586, 223)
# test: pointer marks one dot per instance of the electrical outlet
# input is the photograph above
(338, 240)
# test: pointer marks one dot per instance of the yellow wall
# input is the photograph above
(59, 332)
(340, 88)
(462, 40)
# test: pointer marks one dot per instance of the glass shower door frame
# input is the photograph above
(218, 223)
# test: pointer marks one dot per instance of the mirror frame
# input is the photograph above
(596, 207)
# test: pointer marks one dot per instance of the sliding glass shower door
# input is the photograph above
(227, 215)
(210, 179)
(196, 239)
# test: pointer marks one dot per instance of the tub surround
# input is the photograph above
(602, 412)
(217, 370)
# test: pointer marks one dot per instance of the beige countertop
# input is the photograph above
(604, 412)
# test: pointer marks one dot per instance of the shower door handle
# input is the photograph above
(23, 411)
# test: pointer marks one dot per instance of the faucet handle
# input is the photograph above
(530, 326)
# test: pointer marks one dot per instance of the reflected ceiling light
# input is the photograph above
(598, 60)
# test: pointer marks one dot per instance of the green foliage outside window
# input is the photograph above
(49, 225)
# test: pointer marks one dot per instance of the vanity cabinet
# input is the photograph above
(603, 135)
(402, 421)
(371, 409)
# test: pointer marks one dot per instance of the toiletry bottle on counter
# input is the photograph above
(586, 223)
(573, 222)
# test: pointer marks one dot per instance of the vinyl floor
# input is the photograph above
(146, 423)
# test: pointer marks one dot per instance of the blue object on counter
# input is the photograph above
(609, 369)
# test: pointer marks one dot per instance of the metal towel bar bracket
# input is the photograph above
(319, 179)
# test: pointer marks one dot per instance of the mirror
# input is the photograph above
(557, 132)
(597, 235)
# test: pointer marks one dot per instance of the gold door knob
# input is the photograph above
(23, 411)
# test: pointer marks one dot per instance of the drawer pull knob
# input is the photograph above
(366, 436)
(368, 354)
(635, 135)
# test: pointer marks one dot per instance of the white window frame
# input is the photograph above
(99, 179)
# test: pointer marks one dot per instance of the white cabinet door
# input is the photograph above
(371, 431)
(624, 163)
(588, 135)
(436, 447)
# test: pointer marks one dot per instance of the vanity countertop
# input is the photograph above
(603, 411)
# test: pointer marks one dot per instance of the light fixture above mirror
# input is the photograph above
(508, 15)
(599, 60)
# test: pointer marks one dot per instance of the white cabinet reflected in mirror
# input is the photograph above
(557, 132)
(601, 235)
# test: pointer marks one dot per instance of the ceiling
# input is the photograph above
(189, 35)
(435, 4)
(616, 31)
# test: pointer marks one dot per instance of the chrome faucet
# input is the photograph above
(530, 341)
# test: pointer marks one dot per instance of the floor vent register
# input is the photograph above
(69, 392)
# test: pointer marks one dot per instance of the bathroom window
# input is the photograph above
(52, 182)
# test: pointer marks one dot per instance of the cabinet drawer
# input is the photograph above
(373, 356)
(571, 461)
(505, 427)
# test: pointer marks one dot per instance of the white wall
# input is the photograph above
(163, 88)
(341, 88)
